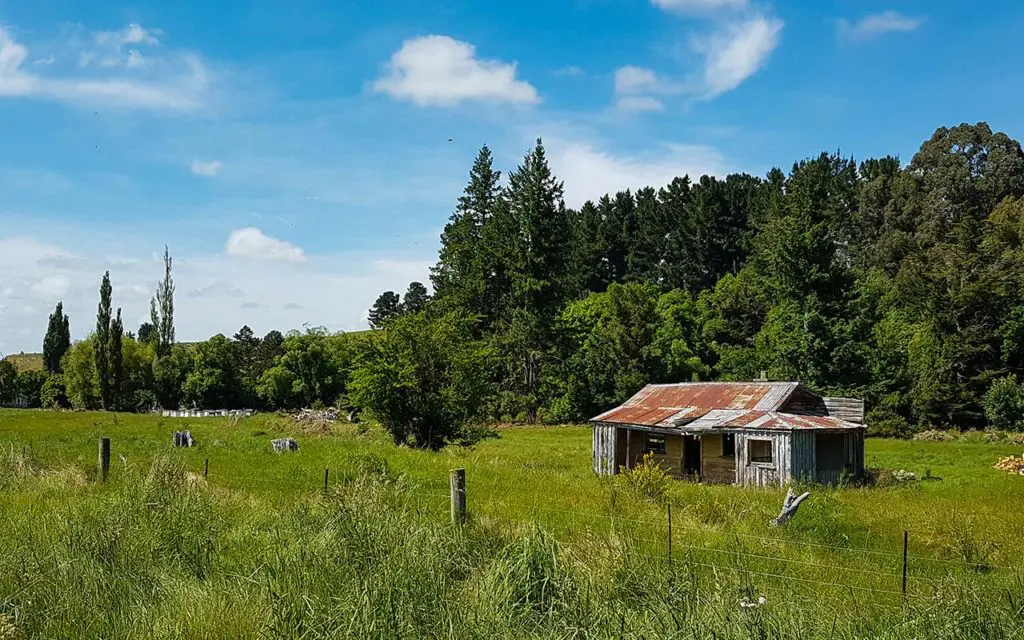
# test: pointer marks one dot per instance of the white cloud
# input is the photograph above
(635, 88)
(878, 24)
(698, 6)
(52, 287)
(182, 89)
(638, 103)
(630, 79)
(737, 52)
(131, 34)
(589, 172)
(441, 71)
(334, 290)
(251, 243)
(210, 169)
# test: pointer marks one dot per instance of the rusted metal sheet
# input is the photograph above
(656, 403)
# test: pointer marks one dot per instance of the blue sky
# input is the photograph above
(295, 156)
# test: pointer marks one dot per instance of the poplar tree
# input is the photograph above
(57, 340)
(101, 348)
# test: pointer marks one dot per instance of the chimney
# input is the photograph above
(763, 377)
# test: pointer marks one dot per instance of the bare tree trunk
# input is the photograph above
(789, 507)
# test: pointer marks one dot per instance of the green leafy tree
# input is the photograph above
(387, 306)
(80, 378)
(54, 394)
(29, 385)
(313, 368)
(147, 332)
(212, 381)
(161, 311)
(420, 377)
(8, 378)
(57, 340)
(1004, 404)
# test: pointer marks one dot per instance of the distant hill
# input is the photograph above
(26, 361)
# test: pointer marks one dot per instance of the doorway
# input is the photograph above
(691, 457)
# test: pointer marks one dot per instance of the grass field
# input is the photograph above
(259, 549)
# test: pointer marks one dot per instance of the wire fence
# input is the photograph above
(784, 561)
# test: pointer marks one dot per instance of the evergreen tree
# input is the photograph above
(387, 306)
(57, 340)
(463, 276)
(101, 348)
(415, 298)
(161, 310)
(536, 243)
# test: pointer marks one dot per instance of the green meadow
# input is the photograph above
(261, 549)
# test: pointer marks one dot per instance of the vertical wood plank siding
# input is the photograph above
(755, 475)
(604, 443)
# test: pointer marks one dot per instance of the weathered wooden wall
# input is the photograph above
(604, 449)
(754, 474)
(763, 475)
(849, 409)
(716, 469)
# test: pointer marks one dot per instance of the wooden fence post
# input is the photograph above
(458, 495)
(327, 474)
(104, 458)
(906, 538)
(206, 469)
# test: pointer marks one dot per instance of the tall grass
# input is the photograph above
(160, 553)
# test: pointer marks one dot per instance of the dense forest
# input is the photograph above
(901, 284)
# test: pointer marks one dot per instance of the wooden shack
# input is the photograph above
(746, 433)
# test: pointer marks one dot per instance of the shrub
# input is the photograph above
(648, 479)
(1004, 404)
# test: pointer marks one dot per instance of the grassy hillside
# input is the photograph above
(26, 361)
(260, 550)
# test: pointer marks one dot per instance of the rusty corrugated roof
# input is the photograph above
(699, 406)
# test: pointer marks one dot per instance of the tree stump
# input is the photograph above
(789, 507)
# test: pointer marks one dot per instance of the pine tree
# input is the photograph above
(387, 306)
(463, 274)
(536, 241)
(101, 348)
(415, 298)
(161, 310)
(115, 364)
(57, 340)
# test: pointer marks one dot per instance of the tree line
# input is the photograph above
(901, 284)
(898, 284)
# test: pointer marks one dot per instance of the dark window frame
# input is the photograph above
(728, 445)
(766, 461)
(660, 448)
